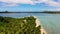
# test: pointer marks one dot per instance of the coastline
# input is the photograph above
(37, 24)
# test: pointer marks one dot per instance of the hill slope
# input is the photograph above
(24, 25)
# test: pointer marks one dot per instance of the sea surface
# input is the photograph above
(50, 22)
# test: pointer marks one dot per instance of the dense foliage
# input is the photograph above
(24, 25)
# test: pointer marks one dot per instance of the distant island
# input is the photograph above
(49, 12)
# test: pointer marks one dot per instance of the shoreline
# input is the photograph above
(37, 24)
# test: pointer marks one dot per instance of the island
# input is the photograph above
(25, 25)
(48, 12)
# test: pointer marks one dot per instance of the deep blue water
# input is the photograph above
(50, 22)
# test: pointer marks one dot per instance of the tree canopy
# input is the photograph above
(24, 25)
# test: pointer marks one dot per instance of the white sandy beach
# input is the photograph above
(37, 24)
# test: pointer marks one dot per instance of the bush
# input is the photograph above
(19, 26)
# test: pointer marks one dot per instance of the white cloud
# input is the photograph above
(54, 9)
(49, 2)
(16, 2)
(8, 4)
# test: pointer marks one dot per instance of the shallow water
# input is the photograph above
(50, 22)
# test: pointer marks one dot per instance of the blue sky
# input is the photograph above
(29, 5)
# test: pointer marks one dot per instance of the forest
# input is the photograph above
(26, 25)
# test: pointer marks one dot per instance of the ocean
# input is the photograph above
(50, 22)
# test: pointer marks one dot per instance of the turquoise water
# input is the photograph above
(50, 22)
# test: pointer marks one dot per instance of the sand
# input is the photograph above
(37, 24)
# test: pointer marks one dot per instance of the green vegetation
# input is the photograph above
(49, 12)
(52, 12)
(24, 25)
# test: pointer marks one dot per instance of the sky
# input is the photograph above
(29, 5)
